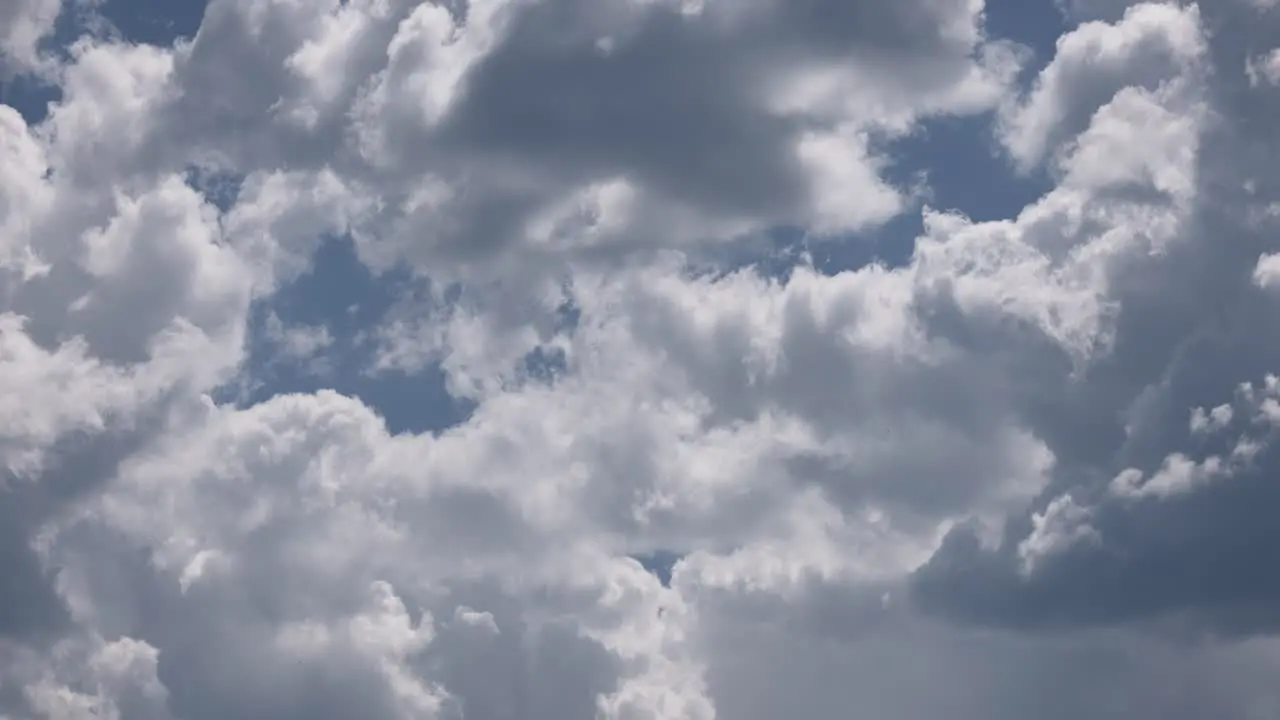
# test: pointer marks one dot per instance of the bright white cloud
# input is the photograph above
(1152, 45)
(1266, 273)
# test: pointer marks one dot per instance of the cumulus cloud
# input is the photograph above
(469, 127)
(1156, 493)
(1032, 456)
(1152, 45)
(26, 23)
(1267, 272)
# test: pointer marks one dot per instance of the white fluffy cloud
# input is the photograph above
(25, 24)
(1152, 45)
(1023, 461)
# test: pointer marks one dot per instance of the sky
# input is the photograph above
(639, 359)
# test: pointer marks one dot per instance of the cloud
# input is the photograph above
(1151, 44)
(1264, 68)
(26, 23)
(1166, 501)
(1267, 271)
(1031, 457)
(729, 119)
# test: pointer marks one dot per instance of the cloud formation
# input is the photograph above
(1032, 457)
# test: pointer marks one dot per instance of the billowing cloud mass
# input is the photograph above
(672, 465)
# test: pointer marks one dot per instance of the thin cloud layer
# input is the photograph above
(1034, 457)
